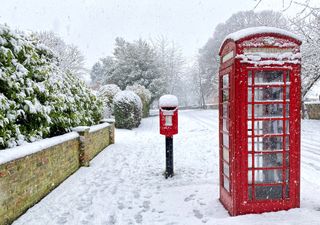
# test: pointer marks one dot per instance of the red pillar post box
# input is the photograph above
(259, 121)
(168, 113)
(168, 116)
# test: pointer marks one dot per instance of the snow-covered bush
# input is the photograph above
(145, 96)
(107, 93)
(74, 104)
(37, 100)
(127, 110)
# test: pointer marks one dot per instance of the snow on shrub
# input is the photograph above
(127, 110)
(145, 96)
(107, 93)
(37, 100)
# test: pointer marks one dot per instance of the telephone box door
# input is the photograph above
(268, 132)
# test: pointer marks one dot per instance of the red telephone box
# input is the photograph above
(168, 113)
(259, 121)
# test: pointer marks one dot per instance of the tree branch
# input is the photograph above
(257, 4)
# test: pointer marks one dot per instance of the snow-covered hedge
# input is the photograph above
(145, 96)
(107, 93)
(127, 110)
(37, 100)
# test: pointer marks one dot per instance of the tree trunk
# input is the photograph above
(304, 113)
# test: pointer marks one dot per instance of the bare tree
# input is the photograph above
(69, 56)
(170, 62)
(208, 59)
(287, 4)
(195, 85)
(307, 25)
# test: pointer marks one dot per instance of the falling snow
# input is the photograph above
(125, 184)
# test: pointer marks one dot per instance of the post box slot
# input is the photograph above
(167, 113)
(168, 108)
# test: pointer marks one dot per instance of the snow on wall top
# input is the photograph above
(30, 148)
(311, 103)
(108, 120)
(80, 128)
(91, 129)
(168, 100)
(98, 127)
(258, 30)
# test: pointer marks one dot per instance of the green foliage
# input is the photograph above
(127, 110)
(145, 96)
(37, 100)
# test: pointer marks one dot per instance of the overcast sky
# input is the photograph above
(93, 25)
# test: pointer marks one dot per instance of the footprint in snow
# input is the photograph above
(138, 218)
(120, 205)
(84, 222)
(112, 220)
(204, 220)
(189, 198)
(62, 220)
(81, 207)
(146, 205)
(200, 202)
(148, 196)
(90, 216)
(197, 214)
(88, 219)
(114, 190)
(136, 194)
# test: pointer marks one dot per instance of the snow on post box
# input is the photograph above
(168, 115)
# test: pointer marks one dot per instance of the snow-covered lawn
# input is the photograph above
(125, 185)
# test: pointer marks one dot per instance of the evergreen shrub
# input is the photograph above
(37, 100)
(107, 93)
(145, 96)
(127, 110)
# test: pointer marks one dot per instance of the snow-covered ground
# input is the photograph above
(125, 185)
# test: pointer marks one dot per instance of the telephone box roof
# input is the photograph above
(257, 30)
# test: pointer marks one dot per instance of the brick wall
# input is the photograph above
(313, 110)
(26, 180)
(99, 140)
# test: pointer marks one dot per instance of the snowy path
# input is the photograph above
(310, 144)
(124, 184)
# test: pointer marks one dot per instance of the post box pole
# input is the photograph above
(169, 157)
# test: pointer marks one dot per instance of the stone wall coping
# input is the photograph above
(80, 128)
(108, 120)
(98, 127)
(313, 103)
(21, 151)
